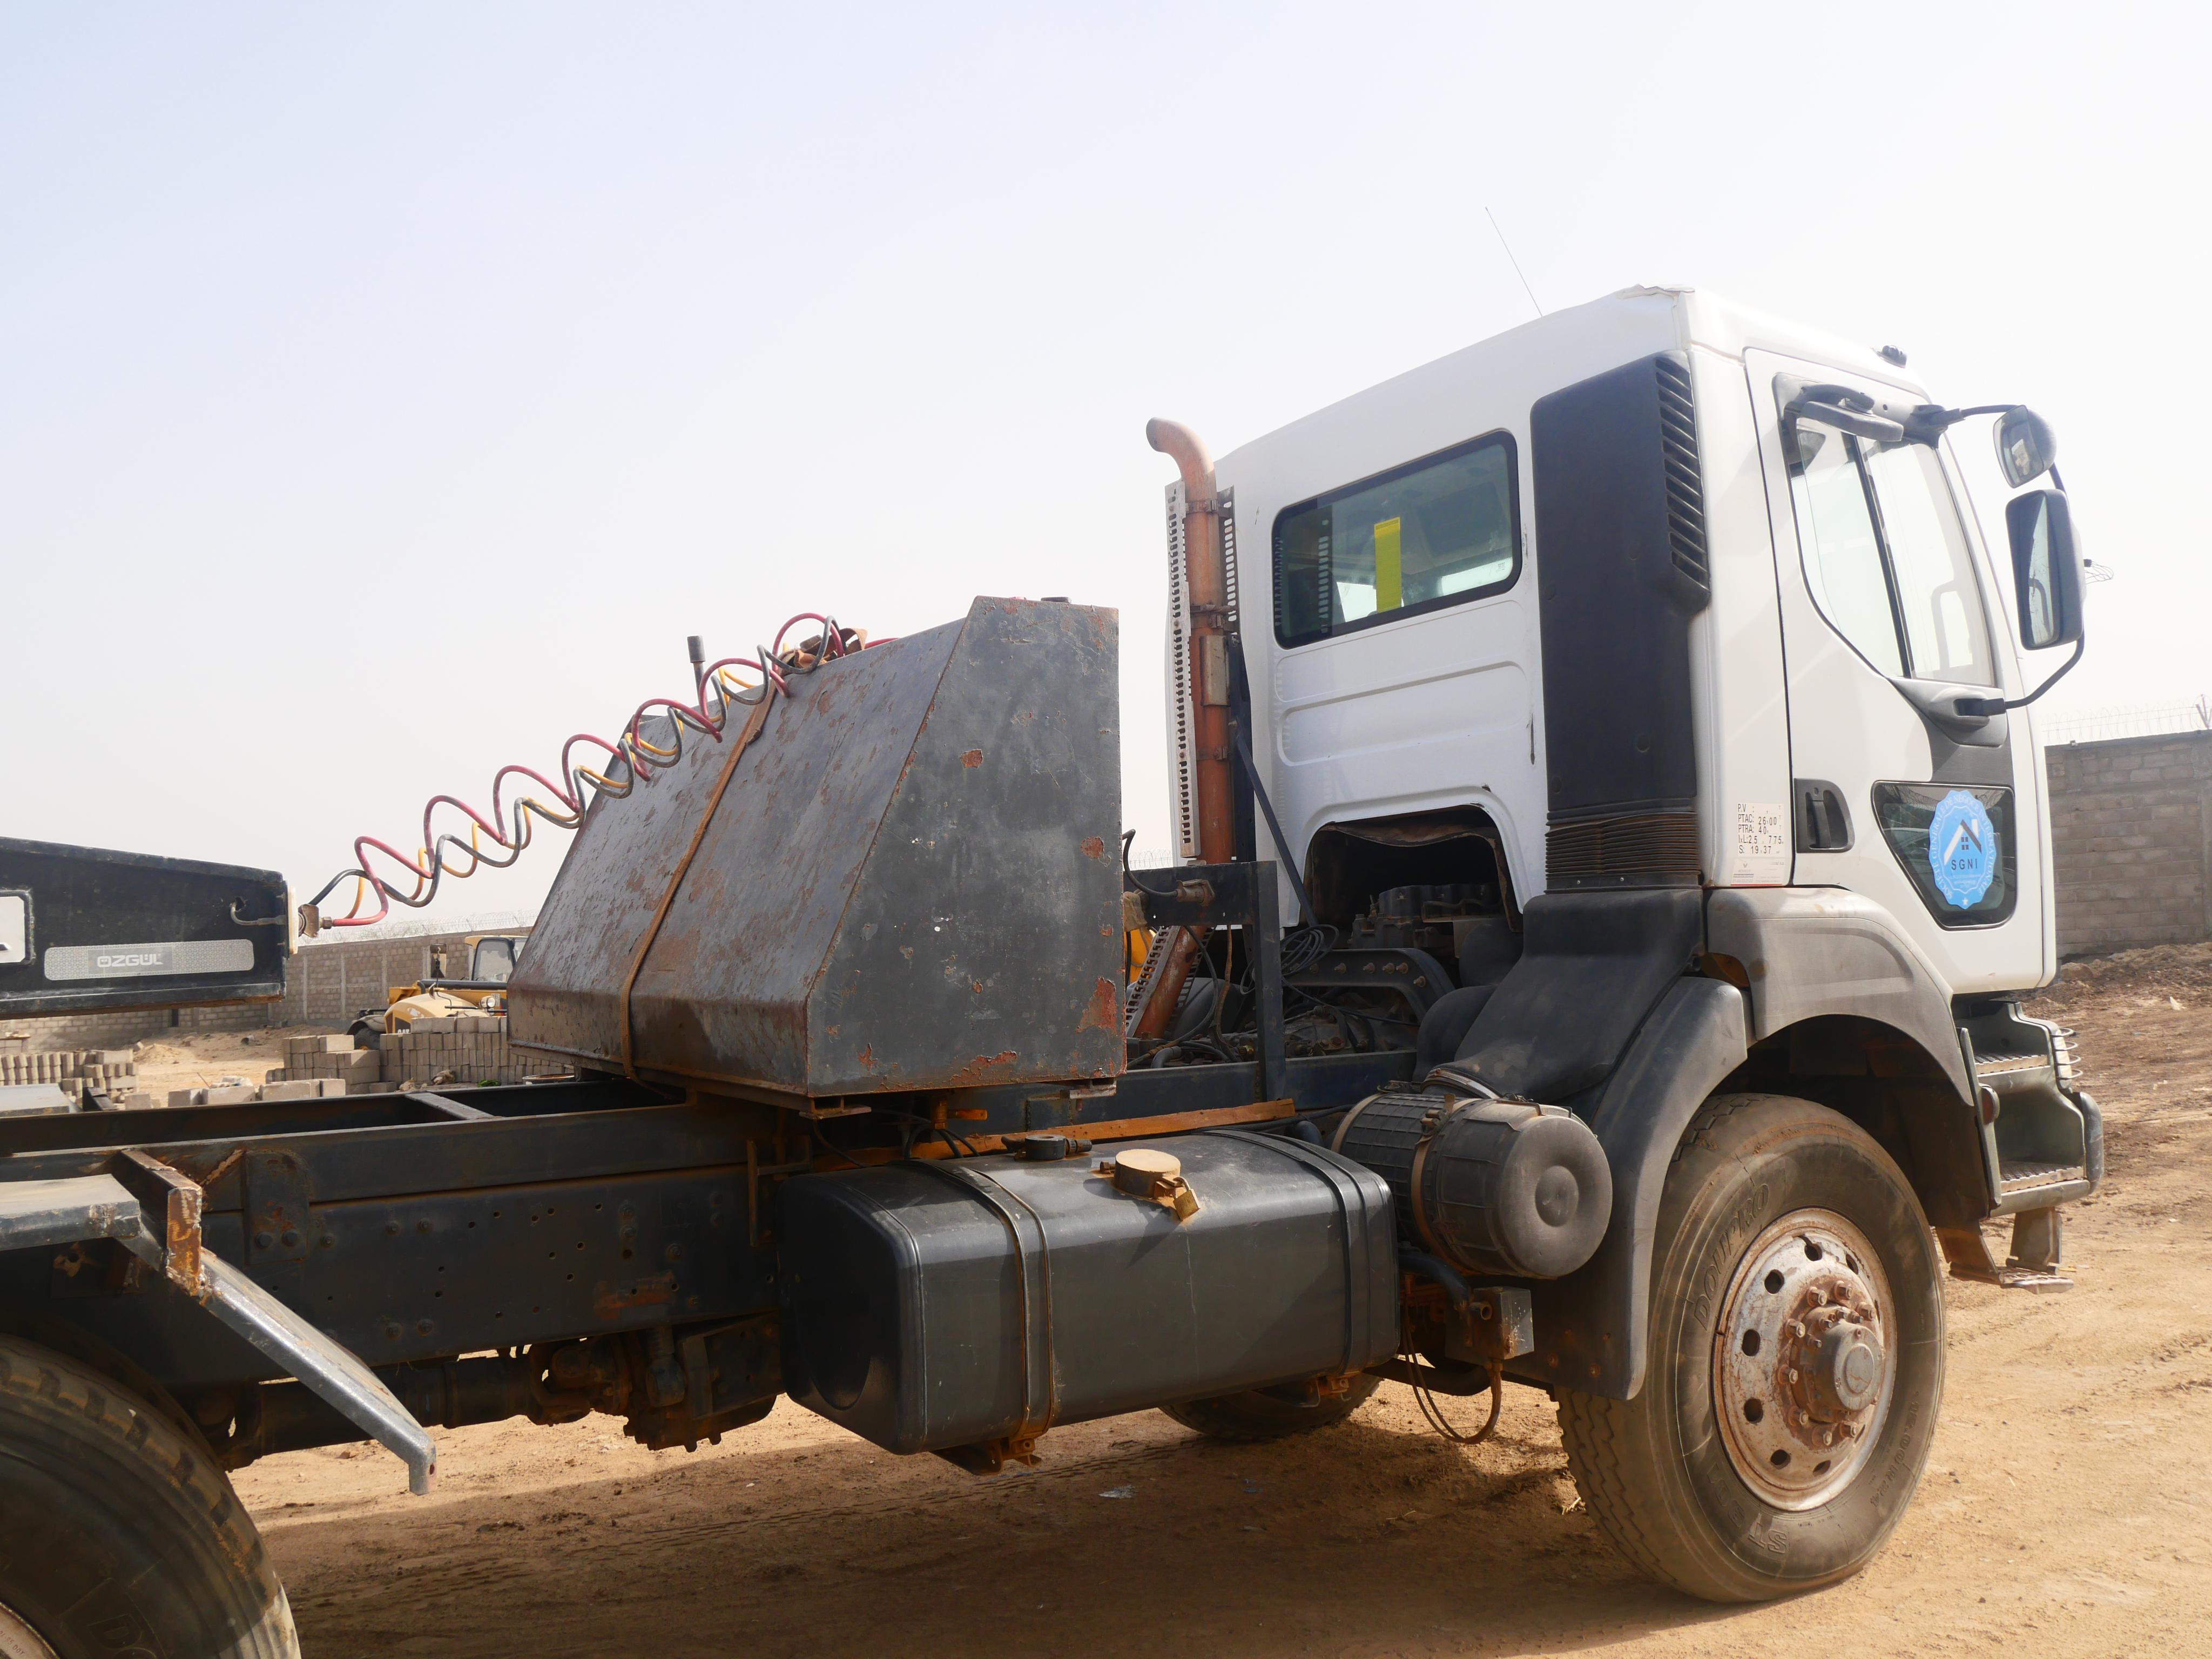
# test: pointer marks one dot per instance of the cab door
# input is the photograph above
(1888, 604)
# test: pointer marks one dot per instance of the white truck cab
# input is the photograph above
(1638, 697)
(1395, 544)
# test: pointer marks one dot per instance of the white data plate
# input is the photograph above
(193, 955)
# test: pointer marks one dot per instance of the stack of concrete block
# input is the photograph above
(328, 1060)
(468, 1048)
(111, 1072)
(55, 1066)
(462, 1051)
(238, 1091)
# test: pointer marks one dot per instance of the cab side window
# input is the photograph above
(1842, 554)
(1947, 636)
(1886, 556)
(1438, 533)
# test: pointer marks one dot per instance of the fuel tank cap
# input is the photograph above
(1141, 1168)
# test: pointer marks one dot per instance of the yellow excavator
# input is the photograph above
(487, 962)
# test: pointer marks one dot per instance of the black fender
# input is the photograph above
(1809, 952)
(1592, 1327)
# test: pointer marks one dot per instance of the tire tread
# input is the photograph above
(1615, 1486)
(1591, 1434)
(47, 1391)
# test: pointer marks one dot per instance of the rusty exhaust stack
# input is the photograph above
(1206, 580)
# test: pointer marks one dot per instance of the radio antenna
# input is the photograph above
(1516, 264)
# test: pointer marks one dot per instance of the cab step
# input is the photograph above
(2040, 1133)
(2036, 1237)
(2023, 1175)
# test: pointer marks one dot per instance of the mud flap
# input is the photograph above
(1592, 1327)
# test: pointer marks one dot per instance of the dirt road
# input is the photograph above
(2067, 1511)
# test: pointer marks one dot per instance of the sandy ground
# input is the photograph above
(2066, 1509)
(201, 1059)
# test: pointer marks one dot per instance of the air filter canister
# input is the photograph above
(1492, 1185)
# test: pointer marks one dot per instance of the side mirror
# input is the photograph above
(2046, 568)
(2026, 446)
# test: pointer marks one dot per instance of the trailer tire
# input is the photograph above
(1254, 1416)
(1792, 1272)
(117, 1532)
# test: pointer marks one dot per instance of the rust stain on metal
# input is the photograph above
(183, 1202)
(1094, 846)
(1104, 1013)
(1124, 1128)
(777, 932)
(612, 1301)
(188, 1165)
(979, 1069)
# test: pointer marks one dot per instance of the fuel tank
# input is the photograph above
(946, 1304)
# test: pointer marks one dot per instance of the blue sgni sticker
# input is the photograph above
(1962, 849)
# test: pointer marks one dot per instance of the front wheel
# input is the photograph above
(117, 1532)
(1795, 1361)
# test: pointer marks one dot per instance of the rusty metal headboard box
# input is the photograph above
(908, 879)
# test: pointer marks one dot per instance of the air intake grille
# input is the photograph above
(1633, 849)
(1230, 621)
(1685, 495)
(1182, 710)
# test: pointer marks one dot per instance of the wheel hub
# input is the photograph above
(18, 1640)
(1802, 1362)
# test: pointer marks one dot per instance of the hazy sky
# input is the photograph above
(386, 391)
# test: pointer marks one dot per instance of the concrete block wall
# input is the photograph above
(120, 1029)
(2131, 840)
(331, 980)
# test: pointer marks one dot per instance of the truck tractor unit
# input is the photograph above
(1612, 852)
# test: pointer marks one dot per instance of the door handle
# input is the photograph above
(1824, 822)
(1937, 702)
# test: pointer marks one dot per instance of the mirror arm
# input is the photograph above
(1930, 422)
(1840, 418)
(1998, 705)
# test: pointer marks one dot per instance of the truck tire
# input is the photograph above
(1253, 1416)
(1796, 1361)
(117, 1532)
